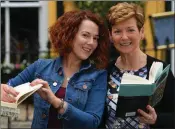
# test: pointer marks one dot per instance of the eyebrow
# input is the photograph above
(116, 28)
(89, 33)
(131, 27)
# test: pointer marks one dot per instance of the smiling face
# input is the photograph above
(126, 36)
(85, 41)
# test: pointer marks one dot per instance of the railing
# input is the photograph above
(167, 47)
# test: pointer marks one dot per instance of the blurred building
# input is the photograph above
(24, 30)
(24, 27)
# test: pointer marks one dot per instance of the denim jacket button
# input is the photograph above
(60, 73)
(44, 116)
(55, 84)
(69, 99)
(84, 87)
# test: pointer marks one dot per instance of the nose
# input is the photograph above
(91, 40)
(124, 35)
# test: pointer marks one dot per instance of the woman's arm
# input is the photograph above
(8, 94)
(74, 117)
(27, 75)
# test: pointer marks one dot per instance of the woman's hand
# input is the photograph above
(45, 92)
(8, 93)
(148, 118)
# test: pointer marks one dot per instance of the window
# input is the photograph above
(24, 30)
(167, 5)
(24, 43)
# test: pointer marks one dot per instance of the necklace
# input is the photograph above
(67, 78)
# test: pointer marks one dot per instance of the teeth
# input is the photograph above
(87, 49)
(125, 43)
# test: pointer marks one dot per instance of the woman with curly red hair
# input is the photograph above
(74, 84)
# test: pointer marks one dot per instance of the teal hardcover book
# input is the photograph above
(138, 92)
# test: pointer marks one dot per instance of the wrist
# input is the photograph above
(62, 110)
(55, 102)
(61, 105)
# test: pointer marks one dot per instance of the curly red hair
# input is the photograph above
(63, 32)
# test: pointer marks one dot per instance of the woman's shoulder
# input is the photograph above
(112, 66)
(41, 63)
(151, 59)
(45, 61)
(93, 70)
(48, 61)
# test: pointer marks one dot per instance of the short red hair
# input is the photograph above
(63, 32)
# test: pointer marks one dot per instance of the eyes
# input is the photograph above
(88, 36)
(118, 31)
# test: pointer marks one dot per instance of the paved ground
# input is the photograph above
(23, 121)
(14, 124)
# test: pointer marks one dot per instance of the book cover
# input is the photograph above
(138, 92)
(25, 90)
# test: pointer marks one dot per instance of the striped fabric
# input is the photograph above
(114, 122)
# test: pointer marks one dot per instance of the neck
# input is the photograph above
(71, 65)
(132, 61)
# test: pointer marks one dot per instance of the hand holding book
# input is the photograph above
(9, 103)
(138, 92)
(150, 117)
(8, 93)
(46, 93)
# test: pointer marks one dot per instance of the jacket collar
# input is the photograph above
(59, 64)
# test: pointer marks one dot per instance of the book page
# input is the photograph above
(155, 71)
(133, 79)
(6, 104)
(25, 90)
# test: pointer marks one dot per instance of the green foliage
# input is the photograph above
(100, 7)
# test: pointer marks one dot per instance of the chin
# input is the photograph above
(83, 57)
(126, 51)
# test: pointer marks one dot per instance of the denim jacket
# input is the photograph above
(85, 93)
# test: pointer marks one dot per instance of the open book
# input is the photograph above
(25, 90)
(138, 92)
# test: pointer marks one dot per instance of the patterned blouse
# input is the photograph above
(114, 122)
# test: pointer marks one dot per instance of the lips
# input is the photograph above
(86, 49)
(125, 43)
